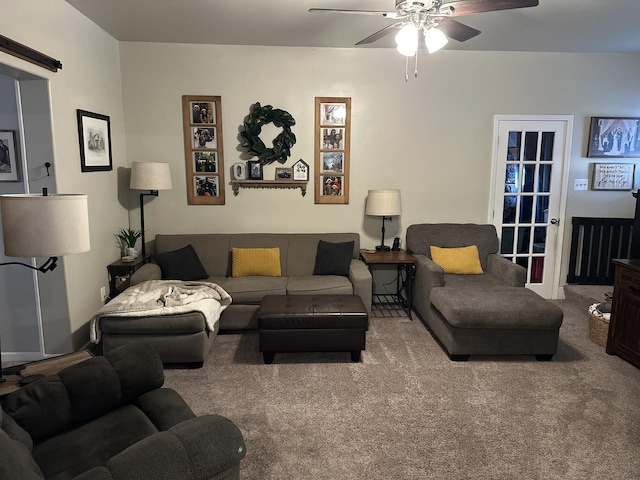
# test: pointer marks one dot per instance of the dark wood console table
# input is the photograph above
(624, 327)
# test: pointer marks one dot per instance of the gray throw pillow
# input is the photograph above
(333, 258)
(181, 264)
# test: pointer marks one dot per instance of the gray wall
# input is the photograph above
(89, 80)
(431, 137)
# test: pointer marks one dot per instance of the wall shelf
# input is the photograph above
(237, 184)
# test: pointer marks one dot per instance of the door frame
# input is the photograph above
(564, 190)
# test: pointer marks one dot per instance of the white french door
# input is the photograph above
(529, 192)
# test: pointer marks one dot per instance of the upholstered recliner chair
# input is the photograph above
(484, 313)
(108, 418)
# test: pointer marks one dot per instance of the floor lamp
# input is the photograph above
(152, 176)
(385, 204)
(44, 226)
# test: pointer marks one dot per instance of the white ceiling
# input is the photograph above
(576, 26)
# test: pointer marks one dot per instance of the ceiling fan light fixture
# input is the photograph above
(434, 39)
(407, 40)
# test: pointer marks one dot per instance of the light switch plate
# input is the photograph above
(581, 184)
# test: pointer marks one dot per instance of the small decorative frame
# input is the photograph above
(301, 171)
(8, 159)
(614, 137)
(284, 174)
(94, 135)
(254, 170)
(202, 124)
(333, 138)
(613, 176)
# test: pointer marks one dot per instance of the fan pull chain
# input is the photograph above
(415, 73)
(406, 69)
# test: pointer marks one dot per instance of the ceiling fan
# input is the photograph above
(433, 18)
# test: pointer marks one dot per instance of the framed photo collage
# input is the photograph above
(202, 119)
(333, 136)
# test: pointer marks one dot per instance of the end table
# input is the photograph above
(120, 273)
(405, 273)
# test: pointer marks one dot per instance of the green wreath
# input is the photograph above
(282, 144)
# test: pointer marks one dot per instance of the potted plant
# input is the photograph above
(127, 239)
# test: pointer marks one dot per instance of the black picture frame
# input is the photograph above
(254, 170)
(614, 137)
(94, 136)
(9, 164)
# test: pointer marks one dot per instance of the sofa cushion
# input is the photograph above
(175, 324)
(314, 284)
(16, 460)
(247, 262)
(485, 280)
(250, 290)
(98, 441)
(15, 431)
(333, 258)
(495, 308)
(459, 261)
(181, 264)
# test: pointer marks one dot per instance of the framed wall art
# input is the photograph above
(614, 137)
(333, 137)
(94, 135)
(613, 176)
(8, 158)
(202, 123)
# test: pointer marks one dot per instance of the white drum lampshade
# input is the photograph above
(150, 176)
(45, 226)
(385, 204)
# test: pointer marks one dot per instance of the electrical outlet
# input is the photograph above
(103, 294)
(581, 184)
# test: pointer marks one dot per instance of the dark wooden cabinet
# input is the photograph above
(624, 327)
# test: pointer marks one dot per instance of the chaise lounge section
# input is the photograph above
(488, 312)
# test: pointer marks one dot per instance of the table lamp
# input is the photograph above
(385, 204)
(152, 176)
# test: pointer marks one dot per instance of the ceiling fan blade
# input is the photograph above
(378, 13)
(381, 33)
(456, 30)
(467, 7)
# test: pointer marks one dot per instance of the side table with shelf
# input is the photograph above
(404, 262)
(120, 273)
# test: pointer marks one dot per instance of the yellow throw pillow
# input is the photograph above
(461, 261)
(263, 262)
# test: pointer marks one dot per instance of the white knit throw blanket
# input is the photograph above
(164, 297)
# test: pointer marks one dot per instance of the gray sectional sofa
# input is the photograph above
(188, 340)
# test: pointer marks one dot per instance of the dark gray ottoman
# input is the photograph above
(312, 323)
(494, 321)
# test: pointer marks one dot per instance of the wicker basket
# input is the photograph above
(598, 328)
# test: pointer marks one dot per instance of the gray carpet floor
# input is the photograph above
(407, 412)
